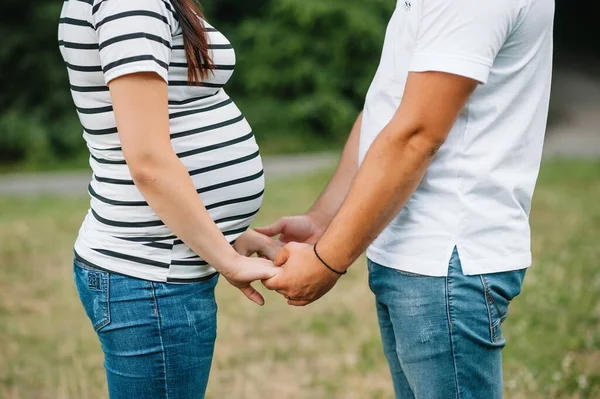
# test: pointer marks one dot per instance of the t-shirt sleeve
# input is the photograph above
(462, 37)
(133, 36)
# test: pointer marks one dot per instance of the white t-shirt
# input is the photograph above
(477, 193)
(102, 40)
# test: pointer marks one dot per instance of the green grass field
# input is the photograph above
(331, 349)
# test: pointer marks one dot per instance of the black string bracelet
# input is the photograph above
(325, 263)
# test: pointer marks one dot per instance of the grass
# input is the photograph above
(332, 349)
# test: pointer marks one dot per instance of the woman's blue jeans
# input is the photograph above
(442, 336)
(158, 339)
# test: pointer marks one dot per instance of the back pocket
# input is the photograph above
(93, 289)
(500, 289)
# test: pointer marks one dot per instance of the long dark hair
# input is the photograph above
(195, 39)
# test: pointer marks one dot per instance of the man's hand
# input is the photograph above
(251, 243)
(304, 229)
(303, 278)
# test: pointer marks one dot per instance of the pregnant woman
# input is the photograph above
(177, 178)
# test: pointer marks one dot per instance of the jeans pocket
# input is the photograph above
(500, 289)
(93, 289)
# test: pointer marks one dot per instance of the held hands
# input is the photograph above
(245, 270)
(303, 279)
(296, 272)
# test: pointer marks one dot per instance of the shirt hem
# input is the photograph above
(439, 268)
(458, 66)
(154, 277)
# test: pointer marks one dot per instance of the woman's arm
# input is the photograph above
(140, 104)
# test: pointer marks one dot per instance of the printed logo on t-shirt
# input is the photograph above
(407, 6)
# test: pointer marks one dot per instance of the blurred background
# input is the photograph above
(303, 70)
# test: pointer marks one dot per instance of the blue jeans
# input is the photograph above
(442, 336)
(158, 339)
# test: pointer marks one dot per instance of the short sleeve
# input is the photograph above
(462, 37)
(133, 36)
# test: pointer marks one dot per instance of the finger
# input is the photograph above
(282, 256)
(294, 302)
(269, 251)
(273, 284)
(253, 295)
(273, 229)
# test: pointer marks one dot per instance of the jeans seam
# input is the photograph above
(488, 298)
(160, 337)
(451, 336)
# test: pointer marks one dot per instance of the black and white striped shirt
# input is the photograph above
(101, 40)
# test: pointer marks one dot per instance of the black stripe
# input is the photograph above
(130, 60)
(215, 67)
(224, 164)
(200, 110)
(208, 128)
(235, 201)
(100, 132)
(132, 36)
(225, 233)
(159, 245)
(192, 173)
(231, 182)
(191, 100)
(92, 111)
(152, 223)
(109, 201)
(191, 280)
(189, 263)
(168, 6)
(114, 181)
(131, 258)
(180, 83)
(237, 217)
(84, 68)
(73, 21)
(210, 29)
(216, 146)
(89, 89)
(78, 46)
(135, 13)
(97, 7)
(90, 2)
(108, 161)
(220, 46)
(147, 239)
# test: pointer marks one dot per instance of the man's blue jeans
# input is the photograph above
(158, 339)
(442, 336)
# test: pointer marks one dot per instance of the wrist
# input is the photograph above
(228, 263)
(337, 272)
(319, 218)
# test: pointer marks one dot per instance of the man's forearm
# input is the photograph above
(390, 173)
(330, 201)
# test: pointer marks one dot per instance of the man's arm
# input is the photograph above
(308, 228)
(392, 170)
(396, 163)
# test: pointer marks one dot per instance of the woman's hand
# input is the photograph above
(244, 271)
(252, 242)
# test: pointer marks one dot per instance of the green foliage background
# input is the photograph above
(303, 70)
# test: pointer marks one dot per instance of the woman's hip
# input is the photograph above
(155, 336)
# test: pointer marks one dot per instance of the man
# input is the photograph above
(436, 179)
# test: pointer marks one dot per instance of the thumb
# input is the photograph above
(282, 256)
(273, 229)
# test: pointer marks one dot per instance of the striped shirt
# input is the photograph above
(101, 40)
